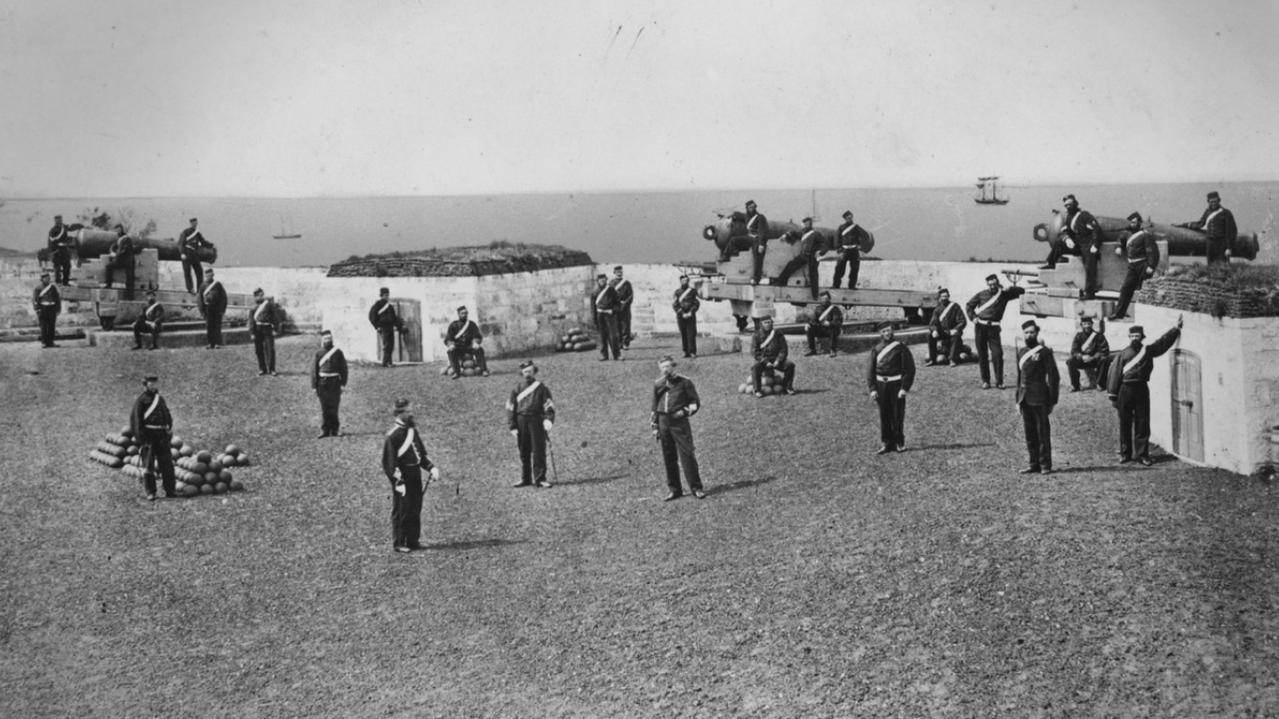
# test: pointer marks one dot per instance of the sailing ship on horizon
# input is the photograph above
(286, 234)
(993, 198)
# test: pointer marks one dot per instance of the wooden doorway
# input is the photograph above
(409, 345)
(1187, 406)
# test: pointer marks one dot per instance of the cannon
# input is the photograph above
(91, 243)
(1182, 241)
(729, 235)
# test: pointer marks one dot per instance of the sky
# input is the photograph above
(301, 98)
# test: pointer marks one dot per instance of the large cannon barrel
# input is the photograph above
(92, 243)
(1182, 241)
(729, 234)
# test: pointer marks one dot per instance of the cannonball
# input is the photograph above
(187, 450)
(115, 463)
(236, 485)
(224, 475)
(179, 486)
(742, 387)
(194, 479)
(220, 488)
(190, 490)
(174, 452)
(127, 431)
(132, 449)
(468, 363)
(204, 455)
(232, 449)
(176, 441)
(242, 459)
(445, 369)
(206, 488)
(200, 468)
(210, 477)
(215, 466)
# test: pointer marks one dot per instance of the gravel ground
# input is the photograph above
(816, 580)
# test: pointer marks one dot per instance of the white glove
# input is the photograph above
(435, 474)
(1119, 250)
(546, 425)
(901, 393)
(400, 488)
(1150, 272)
(1070, 243)
(874, 394)
(515, 433)
(935, 334)
(1094, 249)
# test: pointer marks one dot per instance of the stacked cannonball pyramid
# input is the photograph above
(197, 471)
(576, 341)
(468, 368)
(769, 383)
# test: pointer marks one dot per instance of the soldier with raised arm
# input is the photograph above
(986, 310)
(1130, 390)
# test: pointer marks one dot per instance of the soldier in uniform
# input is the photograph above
(264, 325)
(1080, 234)
(986, 310)
(848, 237)
(149, 322)
(152, 425)
(827, 321)
(1140, 249)
(212, 298)
(120, 256)
(403, 452)
(386, 321)
(604, 309)
(1088, 352)
(945, 331)
(674, 401)
(328, 377)
(810, 243)
(890, 373)
(625, 297)
(530, 414)
(1218, 225)
(48, 305)
(1130, 394)
(190, 240)
(686, 305)
(769, 349)
(1038, 384)
(463, 336)
(757, 230)
(60, 244)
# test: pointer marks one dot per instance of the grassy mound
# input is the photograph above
(1220, 290)
(496, 258)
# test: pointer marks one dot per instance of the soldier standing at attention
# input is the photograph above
(686, 305)
(462, 337)
(1037, 386)
(264, 325)
(986, 310)
(827, 321)
(1088, 352)
(810, 242)
(404, 452)
(212, 308)
(149, 322)
(890, 374)
(60, 244)
(530, 414)
(945, 330)
(848, 238)
(769, 349)
(604, 308)
(121, 257)
(190, 241)
(1080, 233)
(1142, 252)
(384, 319)
(1130, 394)
(152, 425)
(625, 297)
(328, 377)
(757, 230)
(1220, 231)
(48, 305)
(674, 401)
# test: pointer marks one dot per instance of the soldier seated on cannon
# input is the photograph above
(463, 339)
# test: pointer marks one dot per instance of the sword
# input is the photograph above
(550, 449)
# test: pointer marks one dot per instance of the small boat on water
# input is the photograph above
(993, 198)
(285, 234)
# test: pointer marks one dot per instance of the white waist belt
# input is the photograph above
(330, 374)
(885, 378)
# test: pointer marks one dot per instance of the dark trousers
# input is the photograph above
(192, 272)
(892, 413)
(386, 344)
(264, 346)
(213, 328)
(624, 327)
(329, 391)
(687, 332)
(1091, 282)
(1092, 368)
(945, 345)
(606, 323)
(1216, 251)
(48, 320)
(61, 259)
(156, 451)
(809, 263)
(141, 327)
(531, 439)
(676, 438)
(406, 510)
(1132, 282)
(457, 353)
(852, 259)
(788, 373)
(1134, 420)
(1039, 443)
(758, 247)
(1057, 249)
(129, 277)
(813, 331)
(990, 351)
